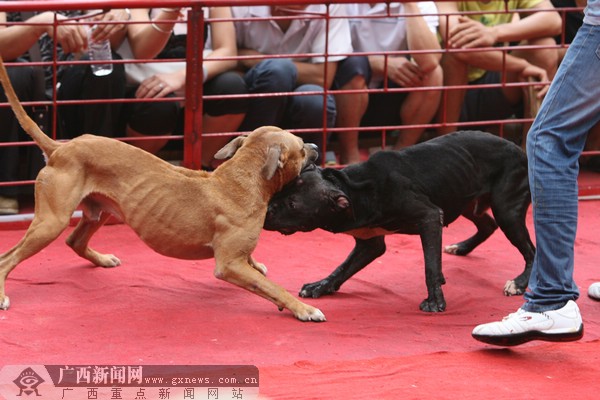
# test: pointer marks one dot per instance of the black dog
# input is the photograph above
(414, 191)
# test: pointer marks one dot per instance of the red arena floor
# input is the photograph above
(375, 344)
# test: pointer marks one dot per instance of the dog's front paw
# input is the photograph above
(310, 314)
(5, 303)
(456, 249)
(512, 289)
(260, 267)
(108, 261)
(317, 289)
(451, 249)
(435, 302)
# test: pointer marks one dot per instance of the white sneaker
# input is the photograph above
(563, 325)
(594, 291)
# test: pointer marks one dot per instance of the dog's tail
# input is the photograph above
(47, 144)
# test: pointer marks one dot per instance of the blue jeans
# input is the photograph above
(287, 112)
(554, 144)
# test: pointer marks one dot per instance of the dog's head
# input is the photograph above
(307, 203)
(284, 154)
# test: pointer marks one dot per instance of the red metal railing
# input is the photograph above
(192, 136)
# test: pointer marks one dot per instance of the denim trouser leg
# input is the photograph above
(554, 143)
(305, 112)
(269, 76)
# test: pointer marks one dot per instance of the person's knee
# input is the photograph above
(358, 82)
(435, 77)
(272, 75)
(353, 73)
(546, 59)
(457, 60)
(157, 118)
(307, 111)
(228, 83)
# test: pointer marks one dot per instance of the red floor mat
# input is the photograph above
(376, 343)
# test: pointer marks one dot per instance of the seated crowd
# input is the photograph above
(410, 56)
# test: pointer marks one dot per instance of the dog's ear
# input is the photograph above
(230, 148)
(342, 203)
(272, 162)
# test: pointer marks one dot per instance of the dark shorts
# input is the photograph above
(161, 118)
(485, 104)
(384, 108)
(350, 67)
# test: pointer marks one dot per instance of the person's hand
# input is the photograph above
(404, 72)
(105, 31)
(245, 64)
(468, 34)
(160, 85)
(72, 38)
(536, 74)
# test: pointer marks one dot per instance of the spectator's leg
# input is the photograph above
(22, 81)
(79, 83)
(455, 73)
(419, 108)
(222, 115)
(353, 74)
(151, 119)
(306, 112)
(546, 58)
(269, 76)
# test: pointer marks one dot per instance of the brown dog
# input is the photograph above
(177, 212)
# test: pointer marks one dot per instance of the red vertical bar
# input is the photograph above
(192, 134)
(325, 87)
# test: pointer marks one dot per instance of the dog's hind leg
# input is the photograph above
(518, 235)
(430, 231)
(486, 226)
(79, 239)
(45, 228)
(510, 216)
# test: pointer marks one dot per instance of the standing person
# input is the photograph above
(18, 43)
(556, 139)
(259, 34)
(162, 38)
(418, 33)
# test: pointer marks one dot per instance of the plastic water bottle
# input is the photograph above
(99, 51)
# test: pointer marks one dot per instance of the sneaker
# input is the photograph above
(563, 325)
(594, 291)
(8, 206)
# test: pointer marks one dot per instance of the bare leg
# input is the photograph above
(79, 239)
(455, 73)
(419, 108)
(544, 58)
(150, 145)
(222, 123)
(350, 110)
